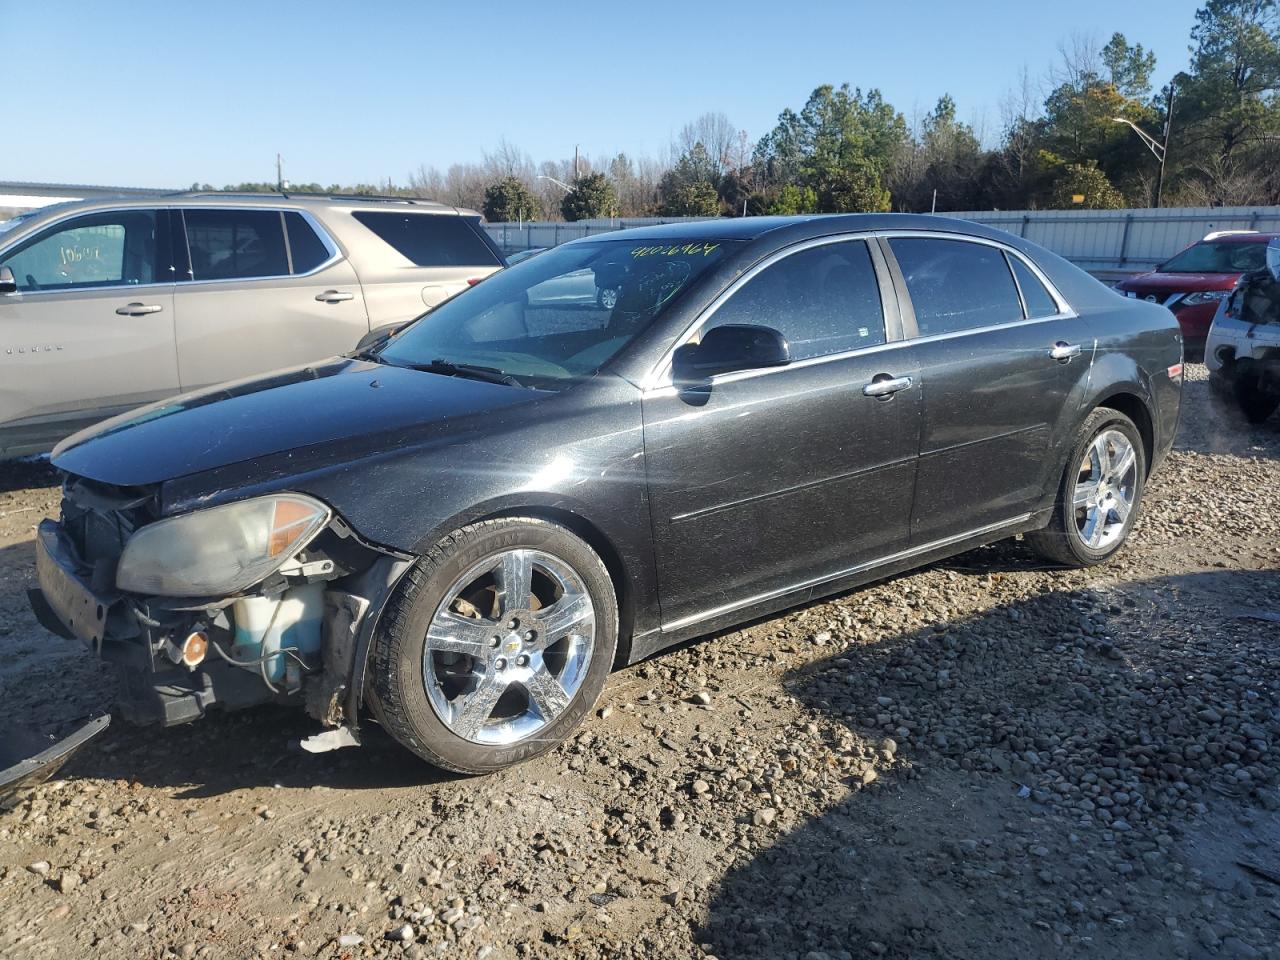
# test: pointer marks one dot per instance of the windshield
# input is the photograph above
(1211, 257)
(560, 315)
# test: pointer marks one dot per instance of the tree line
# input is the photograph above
(1058, 145)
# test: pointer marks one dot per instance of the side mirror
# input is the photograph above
(7, 283)
(727, 349)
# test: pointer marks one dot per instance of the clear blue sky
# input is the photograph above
(168, 93)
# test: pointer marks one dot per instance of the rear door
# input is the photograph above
(779, 479)
(89, 331)
(263, 289)
(421, 259)
(1003, 365)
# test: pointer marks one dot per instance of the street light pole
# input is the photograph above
(1159, 149)
(559, 183)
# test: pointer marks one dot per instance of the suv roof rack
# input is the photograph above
(305, 195)
(1215, 234)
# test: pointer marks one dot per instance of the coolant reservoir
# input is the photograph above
(265, 625)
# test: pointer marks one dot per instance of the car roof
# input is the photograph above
(1242, 238)
(791, 228)
(296, 201)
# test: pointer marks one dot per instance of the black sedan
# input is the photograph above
(467, 526)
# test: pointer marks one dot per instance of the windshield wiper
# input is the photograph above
(473, 370)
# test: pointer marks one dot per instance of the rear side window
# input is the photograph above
(824, 300)
(1035, 297)
(431, 240)
(97, 250)
(956, 285)
(306, 249)
(236, 244)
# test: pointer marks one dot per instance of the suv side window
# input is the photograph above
(235, 244)
(823, 299)
(306, 250)
(116, 248)
(432, 239)
(956, 285)
(1035, 298)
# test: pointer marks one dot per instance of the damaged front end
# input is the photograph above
(1243, 353)
(271, 599)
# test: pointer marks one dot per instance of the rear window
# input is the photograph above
(431, 240)
(306, 249)
(956, 285)
(1218, 257)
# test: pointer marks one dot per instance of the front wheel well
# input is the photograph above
(597, 541)
(1133, 407)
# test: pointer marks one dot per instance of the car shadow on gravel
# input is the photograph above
(1220, 427)
(26, 474)
(1024, 782)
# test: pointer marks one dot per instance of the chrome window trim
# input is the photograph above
(660, 375)
(335, 252)
(812, 582)
(658, 382)
(1065, 310)
(74, 215)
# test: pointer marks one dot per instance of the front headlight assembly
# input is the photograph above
(1204, 296)
(219, 551)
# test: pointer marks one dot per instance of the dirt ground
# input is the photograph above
(986, 758)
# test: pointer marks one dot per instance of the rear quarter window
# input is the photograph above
(431, 240)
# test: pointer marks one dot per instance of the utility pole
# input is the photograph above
(575, 163)
(1164, 148)
(281, 183)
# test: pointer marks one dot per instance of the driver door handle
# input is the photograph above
(334, 296)
(884, 386)
(138, 309)
(1063, 351)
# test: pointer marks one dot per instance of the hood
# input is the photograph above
(294, 409)
(1166, 283)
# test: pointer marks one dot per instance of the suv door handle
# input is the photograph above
(1063, 351)
(334, 296)
(883, 386)
(138, 309)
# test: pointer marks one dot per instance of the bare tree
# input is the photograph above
(717, 135)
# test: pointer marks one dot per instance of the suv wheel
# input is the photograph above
(1099, 495)
(496, 646)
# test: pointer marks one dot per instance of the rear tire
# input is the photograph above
(1099, 494)
(495, 646)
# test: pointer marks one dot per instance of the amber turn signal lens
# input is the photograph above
(290, 517)
(194, 648)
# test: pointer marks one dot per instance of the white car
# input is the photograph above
(1243, 348)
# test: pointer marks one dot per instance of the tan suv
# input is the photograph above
(105, 305)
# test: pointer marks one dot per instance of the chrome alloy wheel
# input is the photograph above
(1105, 489)
(508, 647)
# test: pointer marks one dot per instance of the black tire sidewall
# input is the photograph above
(399, 689)
(1100, 420)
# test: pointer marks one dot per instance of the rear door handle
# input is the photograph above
(883, 386)
(138, 309)
(1063, 351)
(334, 296)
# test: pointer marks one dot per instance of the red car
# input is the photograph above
(1192, 283)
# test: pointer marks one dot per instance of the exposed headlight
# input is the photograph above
(219, 551)
(1204, 296)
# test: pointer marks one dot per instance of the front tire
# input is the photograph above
(1099, 494)
(496, 645)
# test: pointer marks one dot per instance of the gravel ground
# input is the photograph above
(986, 758)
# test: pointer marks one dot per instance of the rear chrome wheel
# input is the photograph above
(1098, 494)
(495, 645)
(509, 647)
(1105, 490)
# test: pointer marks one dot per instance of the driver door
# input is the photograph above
(776, 480)
(89, 331)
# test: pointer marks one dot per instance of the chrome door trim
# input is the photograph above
(907, 554)
(659, 376)
(1065, 310)
(335, 252)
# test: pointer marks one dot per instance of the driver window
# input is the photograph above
(109, 249)
(823, 299)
